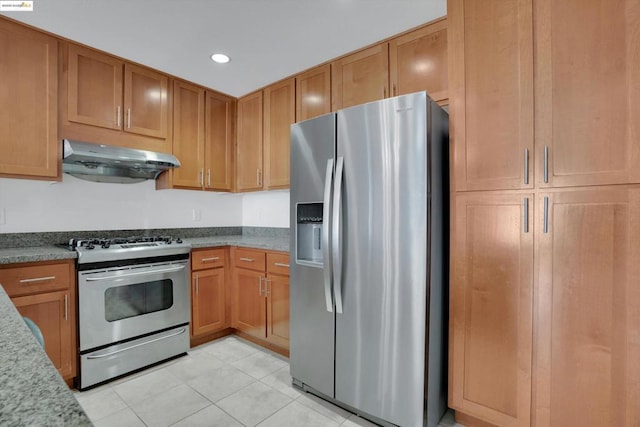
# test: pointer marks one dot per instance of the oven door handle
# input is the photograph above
(141, 273)
(100, 356)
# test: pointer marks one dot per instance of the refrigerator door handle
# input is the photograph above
(328, 181)
(336, 238)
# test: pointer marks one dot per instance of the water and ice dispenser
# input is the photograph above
(309, 233)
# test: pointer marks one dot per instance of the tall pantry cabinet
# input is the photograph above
(545, 302)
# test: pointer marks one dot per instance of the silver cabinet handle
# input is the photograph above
(545, 173)
(208, 177)
(394, 90)
(326, 268)
(118, 121)
(259, 177)
(213, 258)
(197, 285)
(246, 259)
(281, 264)
(545, 220)
(202, 177)
(100, 356)
(525, 213)
(142, 273)
(66, 307)
(526, 166)
(267, 292)
(260, 285)
(37, 279)
(336, 238)
(128, 118)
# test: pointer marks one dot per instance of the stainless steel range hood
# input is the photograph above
(104, 163)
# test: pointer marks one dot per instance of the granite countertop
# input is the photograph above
(33, 254)
(32, 393)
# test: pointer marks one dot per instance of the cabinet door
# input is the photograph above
(418, 61)
(278, 310)
(587, 92)
(51, 312)
(188, 134)
(588, 309)
(146, 101)
(94, 88)
(208, 308)
(249, 154)
(279, 115)
(28, 102)
(491, 308)
(313, 93)
(491, 93)
(249, 302)
(218, 137)
(361, 77)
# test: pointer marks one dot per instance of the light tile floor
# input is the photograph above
(228, 383)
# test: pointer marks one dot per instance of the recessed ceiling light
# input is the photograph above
(220, 58)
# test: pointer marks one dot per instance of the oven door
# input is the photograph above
(121, 303)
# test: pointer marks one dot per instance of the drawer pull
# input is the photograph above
(281, 264)
(247, 259)
(37, 279)
(213, 258)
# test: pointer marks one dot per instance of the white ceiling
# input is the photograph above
(266, 39)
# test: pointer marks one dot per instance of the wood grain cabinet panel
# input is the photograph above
(249, 302)
(146, 104)
(249, 167)
(188, 134)
(29, 146)
(419, 61)
(279, 115)
(278, 309)
(587, 92)
(491, 93)
(491, 308)
(219, 122)
(588, 308)
(360, 77)
(208, 310)
(313, 93)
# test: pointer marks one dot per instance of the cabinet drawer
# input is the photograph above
(208, 258)
(253, 260)
(27, 280)
(278, 264)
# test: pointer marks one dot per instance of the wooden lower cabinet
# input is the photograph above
(249, 302)
(210, 310)
(278, 310)
(587, 308)
(491, 307)
(45, 293)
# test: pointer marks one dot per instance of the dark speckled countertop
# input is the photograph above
(32, 393)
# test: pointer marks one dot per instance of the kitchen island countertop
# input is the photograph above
(31, 390)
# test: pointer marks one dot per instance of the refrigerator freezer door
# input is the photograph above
(380, 336)
(312, 326)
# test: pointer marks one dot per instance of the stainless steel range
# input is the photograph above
(133, 304)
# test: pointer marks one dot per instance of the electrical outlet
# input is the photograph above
(197, 215)
(3, 216)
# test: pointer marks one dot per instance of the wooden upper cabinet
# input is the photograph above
(219, 121)
(313, 93)
(587, 308)
(95, 88)
(188, 134)
(360, 77)
(491, 93)
(279, 115)
(29, 144)
(418, 61)
(249, 148)
(146, 104)
(587, 96)
(490, 333)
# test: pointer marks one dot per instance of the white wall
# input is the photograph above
(266, 209)
(76, 205)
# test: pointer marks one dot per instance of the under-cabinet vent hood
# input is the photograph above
(104, 163)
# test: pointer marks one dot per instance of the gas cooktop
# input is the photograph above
(127, 248)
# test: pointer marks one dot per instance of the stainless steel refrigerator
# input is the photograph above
(369, 218)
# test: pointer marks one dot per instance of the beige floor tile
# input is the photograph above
(325, 408)
(230, 349)
(141, 388)
(260, 364)
(209, 416)
(297, 415)
(195, 365)
(222, 382)
(281, 381)
(169, 407)
(100, 403)
(253, 403)
(124, 418)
